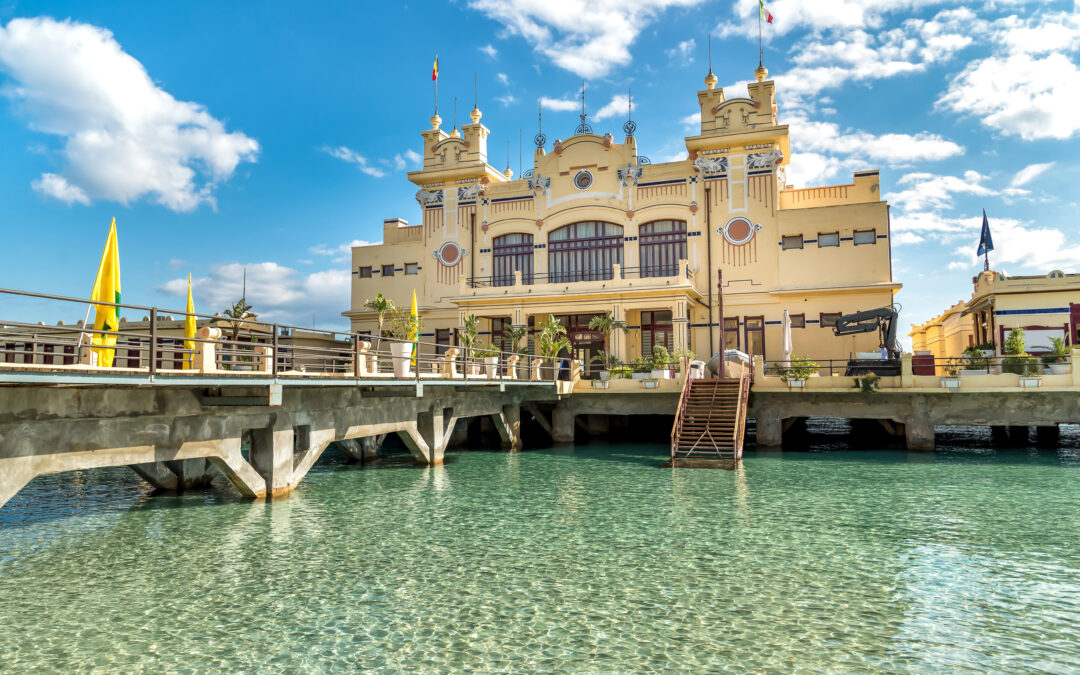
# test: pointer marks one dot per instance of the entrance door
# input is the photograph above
(1074, 324)
(585, 344)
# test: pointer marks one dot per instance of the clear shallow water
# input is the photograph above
(589, 559)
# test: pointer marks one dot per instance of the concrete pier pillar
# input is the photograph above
(15, 473)
(361, 450)
(508, 424)
(770, 431)
(192, 474)
(562, 424)
(272, 456)
(919, 434)
(427, 440)
(1049, 436)
(157, 474)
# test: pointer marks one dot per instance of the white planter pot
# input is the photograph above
(401, 354)
(796, 383)
(491, 365)
(950, 382)
(1028, 382)
(987, 352)
(1058, 368)
(601, 384)
(650, 383)
(659, 374)
(604, 375)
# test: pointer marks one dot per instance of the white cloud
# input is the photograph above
(812, 168)
(57, 187)
(341, 252)
(1038, 249)
(893, 149)
(503, 78)
(277, 293)
(507, 100)
(559, 104)
(904, 238)
(1030, 173)
(402, 160)
(684, 51)
(489, 51)
(817, 16)
(348, 155)
(124, 137)
(692, 120)
(586, 38)
(1020, 95)
(616, 107)
(930, 191)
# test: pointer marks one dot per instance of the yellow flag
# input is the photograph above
(189, 326)
(414, 336)
(107, 289)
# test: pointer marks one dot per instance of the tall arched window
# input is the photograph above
(662, 244)
(512, 253)
(584, 252)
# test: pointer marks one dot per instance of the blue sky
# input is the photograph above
(224, 136)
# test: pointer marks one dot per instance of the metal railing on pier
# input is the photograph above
(226, 346)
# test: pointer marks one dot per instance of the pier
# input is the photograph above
(261, 408)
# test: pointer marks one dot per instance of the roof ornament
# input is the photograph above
(630, 126)
(475, 115)
(539, 139)
(710, 79)
(583, 128)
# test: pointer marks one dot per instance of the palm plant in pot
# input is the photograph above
(552, 338)
(518, 337)
(402, 326)
(1054, 360)
(490, 354)
(606, 324)
(467, 338)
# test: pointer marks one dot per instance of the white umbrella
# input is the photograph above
(787, 337)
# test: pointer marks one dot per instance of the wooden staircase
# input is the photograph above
(711, 420)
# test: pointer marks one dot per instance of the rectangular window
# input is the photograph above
(865, 237)
(365, 272)
(755, 335)
(412, 268)
(388, 270)
(828, 320)
(828, 239)
(798, 321)
(442, 339)
(792, 241)
(731, 333)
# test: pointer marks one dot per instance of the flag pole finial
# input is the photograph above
(710, 78)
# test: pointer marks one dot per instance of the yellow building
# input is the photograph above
(1044, 306)
(594, 227)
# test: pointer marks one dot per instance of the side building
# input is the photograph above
(595, 227)
(1045, 306)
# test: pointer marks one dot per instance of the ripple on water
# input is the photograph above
(592, 559)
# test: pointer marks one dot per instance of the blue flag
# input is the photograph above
(986, 242)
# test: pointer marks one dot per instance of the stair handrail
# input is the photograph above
(739, 431)
(676, 426)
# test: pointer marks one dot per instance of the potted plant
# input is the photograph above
(1018, 361)
(661, 363)
(518, 336)
(1054, 361)
(868, 383)
(978, 362)
(552, 339)
(403, 326)
(638, 368)
(467, 338)
(606, 324)
(608, 363)
(796, 372)
(950, 380)
(490, 355)
(382, 306)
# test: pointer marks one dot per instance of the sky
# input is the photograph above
(271, 137)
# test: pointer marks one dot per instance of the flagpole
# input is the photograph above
(760, 49)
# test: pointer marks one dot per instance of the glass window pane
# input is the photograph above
(793, 241)
(865, 237)
(829, 239)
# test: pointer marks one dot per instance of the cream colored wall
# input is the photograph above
(760, 278)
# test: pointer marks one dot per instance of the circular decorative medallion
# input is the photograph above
(583, 179)
(449, 254)
(738, 231)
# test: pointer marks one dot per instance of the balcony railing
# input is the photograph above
(575, 276)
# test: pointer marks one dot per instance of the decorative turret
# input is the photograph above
(761, 73)
(710, 80)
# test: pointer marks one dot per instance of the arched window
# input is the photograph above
(512, 253)
(662, 244)
(584, 252)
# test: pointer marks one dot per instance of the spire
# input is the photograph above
(630, 126)
(509, 172)
(454, 133)
(475, 115)
(710, 79)
(583, 128)
(539, 139)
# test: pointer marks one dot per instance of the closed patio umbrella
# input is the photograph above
(787, 337)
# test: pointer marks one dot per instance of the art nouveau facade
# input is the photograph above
(594, 227)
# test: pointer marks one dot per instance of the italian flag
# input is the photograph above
(766, 15)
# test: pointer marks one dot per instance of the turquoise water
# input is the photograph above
(587, 559)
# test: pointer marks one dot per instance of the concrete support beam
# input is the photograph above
(361, 450)
(562, 424)
(272, 456)
(541, 418)
(192, 474)
(157, 474)
(15, 472)
(427, 438)
(770, 431)
(508, 424)
(919, 434)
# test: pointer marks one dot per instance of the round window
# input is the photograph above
(449, 254)
(739, 231)
(583, 180)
